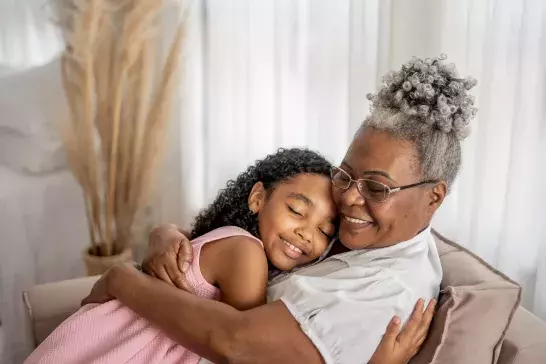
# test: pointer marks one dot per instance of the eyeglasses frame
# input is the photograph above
(390, 190)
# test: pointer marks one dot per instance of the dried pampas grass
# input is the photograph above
(119, 109)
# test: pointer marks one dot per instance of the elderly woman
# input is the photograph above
(395, 175)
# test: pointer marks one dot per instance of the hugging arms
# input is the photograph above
(216, 331)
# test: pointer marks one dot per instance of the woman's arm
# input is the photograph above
(169, 248)
(220, 333)
(214, 330)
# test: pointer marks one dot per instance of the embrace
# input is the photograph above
(296, 261)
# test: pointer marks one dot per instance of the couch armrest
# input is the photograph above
(48, 305)
(525, 341)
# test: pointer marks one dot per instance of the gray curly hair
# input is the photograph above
(427, 104)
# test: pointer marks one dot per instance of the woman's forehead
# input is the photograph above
(378, 152)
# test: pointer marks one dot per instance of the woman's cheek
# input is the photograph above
(380, 212)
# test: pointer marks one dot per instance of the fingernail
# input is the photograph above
(185, 267)
(396, 320)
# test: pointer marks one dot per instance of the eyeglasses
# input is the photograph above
(370, 189)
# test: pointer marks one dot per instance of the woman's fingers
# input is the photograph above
(184, 254)
(178, 278)
(183, 284)
(161, 273)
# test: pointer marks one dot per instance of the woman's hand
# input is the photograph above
(169, 256)
(398, 347)
(100, 292)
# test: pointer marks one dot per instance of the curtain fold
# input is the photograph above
(498, 207)
(267, 74)
(28, 38)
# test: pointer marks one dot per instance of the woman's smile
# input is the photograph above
(354, 225)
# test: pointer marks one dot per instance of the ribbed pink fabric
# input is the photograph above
(112, 333)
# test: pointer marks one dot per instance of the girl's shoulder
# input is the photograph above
(224, 233)
(235, 262)
(226, 250)
(232, 247)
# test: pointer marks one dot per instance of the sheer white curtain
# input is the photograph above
(264, 74)
(28, 38)
(498, 209)
(267, 74)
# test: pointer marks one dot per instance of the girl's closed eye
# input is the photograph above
(328, 236)
(329, 231)
(293, 210)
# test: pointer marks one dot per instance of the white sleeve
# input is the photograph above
(346, 323)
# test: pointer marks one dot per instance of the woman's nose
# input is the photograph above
(352, 196)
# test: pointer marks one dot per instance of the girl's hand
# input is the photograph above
(169, 256)
(398, 347)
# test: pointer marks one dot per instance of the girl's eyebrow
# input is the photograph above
(301, 197)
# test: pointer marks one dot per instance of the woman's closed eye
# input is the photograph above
(375, 187)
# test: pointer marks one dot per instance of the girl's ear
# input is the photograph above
(257, 197)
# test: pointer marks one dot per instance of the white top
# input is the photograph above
(344, 303)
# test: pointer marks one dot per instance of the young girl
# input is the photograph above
(275, 216)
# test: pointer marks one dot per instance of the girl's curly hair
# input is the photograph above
(230, 208)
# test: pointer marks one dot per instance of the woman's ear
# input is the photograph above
(437, 195)
(257, 197)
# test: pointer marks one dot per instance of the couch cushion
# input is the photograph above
(525, 342)
(475, 309)
(48, 305)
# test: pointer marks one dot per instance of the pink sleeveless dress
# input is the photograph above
(113, 333)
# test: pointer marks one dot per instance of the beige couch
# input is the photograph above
(48, 305)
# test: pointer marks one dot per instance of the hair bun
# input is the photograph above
(431, 90)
